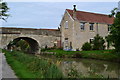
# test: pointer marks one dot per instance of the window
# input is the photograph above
(70, 45)
(66, 43)
(82, 26)
(91, 26)
(66, 40)
(91, 40)
(66, 25)
(109, 27)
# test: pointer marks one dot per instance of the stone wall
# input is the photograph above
(76, 36)
(52, 32)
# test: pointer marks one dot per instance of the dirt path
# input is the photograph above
(5, 69)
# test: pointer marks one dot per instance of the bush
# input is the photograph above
(98, 43)
(86, 46)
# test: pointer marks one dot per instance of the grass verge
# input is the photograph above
(29, 66)
(108, 55)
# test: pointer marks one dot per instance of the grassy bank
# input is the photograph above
(29, 66)
(108, 55)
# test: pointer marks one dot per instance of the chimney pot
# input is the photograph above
(74, 7)
(74, 12)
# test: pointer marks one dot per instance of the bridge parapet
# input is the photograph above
(48, 32)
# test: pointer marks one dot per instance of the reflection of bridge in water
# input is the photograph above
(37, 38)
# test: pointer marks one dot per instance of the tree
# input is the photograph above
(98, 43)
(109, 41)
(23, 45)
(3, 10)
(115, 30)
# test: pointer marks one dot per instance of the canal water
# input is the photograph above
(86, 68)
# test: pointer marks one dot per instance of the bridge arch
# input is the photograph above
(34, 45)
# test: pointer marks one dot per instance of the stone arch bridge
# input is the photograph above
(37, 38)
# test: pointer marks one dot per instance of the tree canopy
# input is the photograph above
(115, 30)
(3, 10)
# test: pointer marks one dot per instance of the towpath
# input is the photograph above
(5, 69)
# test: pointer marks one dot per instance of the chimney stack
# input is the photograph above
(74, 12)
(74, 7)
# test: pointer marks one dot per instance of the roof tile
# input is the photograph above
(92, 17)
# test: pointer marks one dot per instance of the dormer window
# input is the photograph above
(91, 26)
(82, 26)
(66, 24)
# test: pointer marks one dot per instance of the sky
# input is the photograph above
(49, 14)
(61, 0)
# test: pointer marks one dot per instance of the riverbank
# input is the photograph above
(107, 55)
(29, 66)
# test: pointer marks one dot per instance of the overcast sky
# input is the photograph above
(49, 14)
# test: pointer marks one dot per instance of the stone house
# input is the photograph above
(78, 27)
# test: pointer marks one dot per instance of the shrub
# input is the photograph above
(98, 43)
(86, 46)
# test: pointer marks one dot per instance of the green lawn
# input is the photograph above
(95, 54)
(29, 66)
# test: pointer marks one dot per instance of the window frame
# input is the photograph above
(66, 40)
(109, 25)
(91, 26)
(82, 26)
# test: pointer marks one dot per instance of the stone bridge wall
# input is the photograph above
(48, 32)
(43, 36)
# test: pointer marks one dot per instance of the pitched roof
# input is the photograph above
(92, 17)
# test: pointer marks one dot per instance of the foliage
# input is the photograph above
(29, 66)
(109, 41)
(23, 45)
(115, 30)
(73, 73)
(20, 45)
(98, 43)
(52, 48)
(3, 10)
(10, 44)
(86, 46)
(93, 54)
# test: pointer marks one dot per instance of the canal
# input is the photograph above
(85, 68)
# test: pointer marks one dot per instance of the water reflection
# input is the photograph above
(77, 68)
